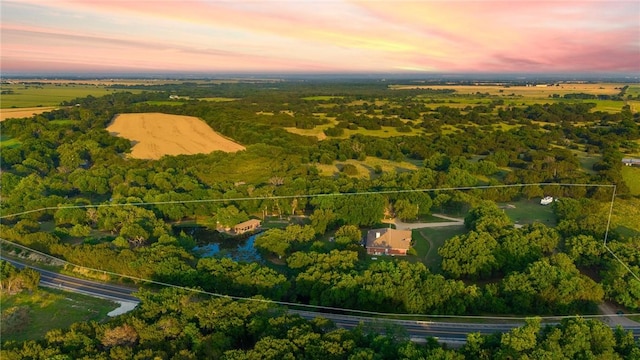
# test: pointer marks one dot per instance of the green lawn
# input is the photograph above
(49, 309)
(529, 211)
(631, 176)
(434, 239)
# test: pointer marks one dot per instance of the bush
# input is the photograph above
(350, 169)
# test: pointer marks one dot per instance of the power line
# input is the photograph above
(277, 197)
(285, 303)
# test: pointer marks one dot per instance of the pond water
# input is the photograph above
(213, 244)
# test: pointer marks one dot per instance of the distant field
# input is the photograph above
(33, 95)
(218, 99)
(23, 112)
(524, 91)
(50, 309)
(157, 134)
(322, 97)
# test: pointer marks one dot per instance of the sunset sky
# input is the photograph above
(319, 36)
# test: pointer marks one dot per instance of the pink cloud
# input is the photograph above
(332, 35)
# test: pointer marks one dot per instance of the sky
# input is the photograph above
(326, 36)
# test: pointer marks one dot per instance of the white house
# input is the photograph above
(546, 200)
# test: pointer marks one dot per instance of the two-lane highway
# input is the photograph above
(450, 332)
(87, 287)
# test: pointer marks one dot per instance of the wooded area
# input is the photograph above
(66, 162)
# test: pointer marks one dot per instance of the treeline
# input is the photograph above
(175, 325)
(66, 158)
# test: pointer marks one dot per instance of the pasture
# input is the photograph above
(155, 135)
(29, 95)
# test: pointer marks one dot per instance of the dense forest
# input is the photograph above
(82, 199)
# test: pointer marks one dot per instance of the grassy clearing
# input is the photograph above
(322, 97)
(631, 176)
(587, 161)
(64, 122)
(218, 99)
(626, 213)
(529, 211)
(164, 102)
(435, 238)
(525, 91)
(50, 309)
(633, 90)
(33, 95)
(420, 244)
(366, 168)
(6, 142)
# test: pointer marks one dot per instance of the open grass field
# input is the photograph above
(529, 211)
(385, 132)
(156, 134)
(34, 95)
(366, 168)
(526, 95)
(322, 97)
(218, 99)
(48, 309)
(23, 112)
(524, 91)
(626, 213)
(631, 176)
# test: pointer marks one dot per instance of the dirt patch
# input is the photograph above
(155, 135)
(23, 112)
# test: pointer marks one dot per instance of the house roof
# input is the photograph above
(389, 238)
(251, 222)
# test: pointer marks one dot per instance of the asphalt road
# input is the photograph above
(87, 287)
(449, 332)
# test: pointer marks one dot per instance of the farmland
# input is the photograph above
(156, 135)
(30, 95)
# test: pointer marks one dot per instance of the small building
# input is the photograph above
(249, 225)
(631, 162)
(388, 242)
(546, 200)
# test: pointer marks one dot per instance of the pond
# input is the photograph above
(213, 244)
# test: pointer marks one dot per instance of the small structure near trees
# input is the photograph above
(246, 226)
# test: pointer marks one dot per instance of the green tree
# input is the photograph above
(469, 255)
(405, 210)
